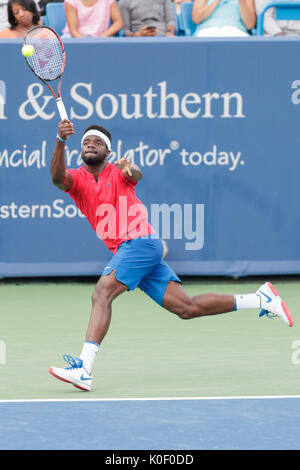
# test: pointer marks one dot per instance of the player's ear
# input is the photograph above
(107, 153)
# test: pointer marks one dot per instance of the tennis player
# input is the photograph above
(105, 194)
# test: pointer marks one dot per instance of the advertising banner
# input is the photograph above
(213, 125)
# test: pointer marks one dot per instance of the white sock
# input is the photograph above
(88, 354)
(246, 301)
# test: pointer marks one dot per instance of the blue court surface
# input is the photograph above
(247, 423)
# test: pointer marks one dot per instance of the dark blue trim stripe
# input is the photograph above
(92, 342)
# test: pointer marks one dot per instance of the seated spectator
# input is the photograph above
(273, 27)
(3, 14)
(224, 18)
(92, 18)
(148, 17)
(22, 16)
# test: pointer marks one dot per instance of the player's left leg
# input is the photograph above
(177, 301)
(266, 298)
(164, 286)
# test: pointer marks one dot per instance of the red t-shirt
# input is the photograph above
(110, 205)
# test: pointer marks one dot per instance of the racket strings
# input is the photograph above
(48, 58)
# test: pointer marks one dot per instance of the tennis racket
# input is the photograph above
(48, 60)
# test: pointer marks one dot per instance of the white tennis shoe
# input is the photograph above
(76, 374)
(272, 305)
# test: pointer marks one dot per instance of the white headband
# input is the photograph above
(98, 134)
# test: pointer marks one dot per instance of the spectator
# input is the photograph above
(273, 27)
(22, 16)
(148, 18)
(3, 14)
(224, 17)
(92, 18)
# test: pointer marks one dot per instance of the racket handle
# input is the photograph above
(61, 109)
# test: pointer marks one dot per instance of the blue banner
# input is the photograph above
(213, 125)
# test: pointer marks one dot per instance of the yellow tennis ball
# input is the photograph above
(27, 50)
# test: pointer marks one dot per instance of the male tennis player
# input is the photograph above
(105, 193)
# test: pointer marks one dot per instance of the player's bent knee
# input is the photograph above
(186, 315)
(186, 312)
(183, 316)
(189, 310)
(179, 303)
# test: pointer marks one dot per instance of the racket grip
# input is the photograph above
(61, 109)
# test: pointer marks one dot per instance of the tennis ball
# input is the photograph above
(27, 50)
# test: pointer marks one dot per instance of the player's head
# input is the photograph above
(95, 145)
(23, 12)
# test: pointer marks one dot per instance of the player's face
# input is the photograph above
(94, 150)
(23, 17)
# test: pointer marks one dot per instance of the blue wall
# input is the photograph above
(213, 124)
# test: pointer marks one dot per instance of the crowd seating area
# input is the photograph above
(285, 10)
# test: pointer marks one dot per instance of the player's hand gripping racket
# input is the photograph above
(48, 60)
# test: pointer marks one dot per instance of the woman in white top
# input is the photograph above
(224, 17)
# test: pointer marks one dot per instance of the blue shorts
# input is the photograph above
(139, 263)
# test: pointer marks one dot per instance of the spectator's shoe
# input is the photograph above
(76, 374)
(272, 305)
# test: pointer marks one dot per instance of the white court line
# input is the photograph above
(83, 400)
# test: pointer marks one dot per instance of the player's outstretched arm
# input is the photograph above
(130, 171)
(60, 177)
